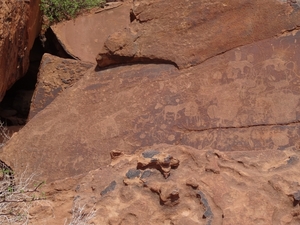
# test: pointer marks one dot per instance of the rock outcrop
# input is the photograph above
(19, 26)
(55, 75)
(245, 99)
(202, 129)
(83, 37)
(188, 32)
(202, 187)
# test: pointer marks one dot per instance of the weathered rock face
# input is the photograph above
(188, 32)
(55, 75)
(19, 26)
(82, 36)
(181, 185)
(244, 99)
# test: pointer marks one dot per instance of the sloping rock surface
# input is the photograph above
(55, 75)
(19, 26)
(245, 99)
(187, 32)
(180, 185)
(84, 36)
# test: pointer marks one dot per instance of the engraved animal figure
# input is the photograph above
(191, 109)
(275, 62)
(109, 126)
(278, 64)
(234, 67)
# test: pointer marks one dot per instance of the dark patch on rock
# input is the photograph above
(292, 160)
(109, 188)
(146, 173)
(132, 173)
(150, 153)
(167, 159)
(296, 197)
(208, 214)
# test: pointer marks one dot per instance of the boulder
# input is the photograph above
(188, 32)
(245, 99)
(83, 37)
(55, 75)
(20, 23)
(202, 187)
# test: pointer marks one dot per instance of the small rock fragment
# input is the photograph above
(212, 165)
(192, 183)
(169, 196)
(115, 154)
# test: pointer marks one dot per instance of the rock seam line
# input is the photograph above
(238, 127)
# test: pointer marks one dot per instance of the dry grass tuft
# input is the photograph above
(80, 215)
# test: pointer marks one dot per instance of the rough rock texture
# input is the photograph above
(84, 36)
(202, 187)
(19, 26)
(55, 75)
(187, 32)
(244, 99)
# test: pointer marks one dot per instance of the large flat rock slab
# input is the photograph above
(245, 99)
(84, 36)
(187, 32)
(55, 75)
(201, 187)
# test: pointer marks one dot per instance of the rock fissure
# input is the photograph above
(289, 31)
(230, 114)
(186, 129)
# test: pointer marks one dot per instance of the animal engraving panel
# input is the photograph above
(190, 109)
(246, 99)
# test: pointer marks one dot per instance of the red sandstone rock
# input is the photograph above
(245, 99)
(225, 120)
(252, 187)
(84, 36)
(55, 75)
(19, 26)
(189, 32)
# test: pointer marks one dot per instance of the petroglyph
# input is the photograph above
(190, 110)
(239, 66)
(284, 106)
(247, 101)
(275, 63)
(226, 105)
(109, 126)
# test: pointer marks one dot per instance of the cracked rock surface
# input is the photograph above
(83, 37)
(245, 99)
(195, 121)
(187, 32)
(19, 26)
(55, 75)
(248, 188)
